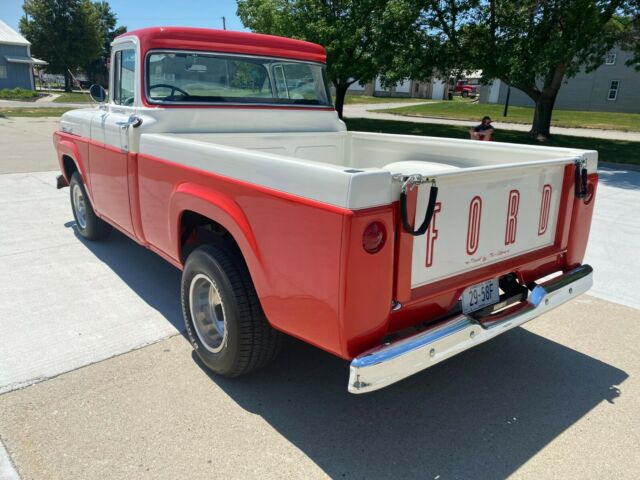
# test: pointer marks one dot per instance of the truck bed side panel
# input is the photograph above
(296, 264)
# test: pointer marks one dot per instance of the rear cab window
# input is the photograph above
(211, 78)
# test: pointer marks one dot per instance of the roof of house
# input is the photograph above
(9, 36)
(184, 38)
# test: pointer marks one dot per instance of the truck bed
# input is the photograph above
(345, 169)
(363, 150)
(356, 170)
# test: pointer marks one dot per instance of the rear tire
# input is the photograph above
(88, 224)
(224, 320)
(465, 94)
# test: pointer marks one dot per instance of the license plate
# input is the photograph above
(480, 295)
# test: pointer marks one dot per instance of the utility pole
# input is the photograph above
(224, 23)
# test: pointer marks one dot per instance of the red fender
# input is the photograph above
(65, 145)
(222, 210)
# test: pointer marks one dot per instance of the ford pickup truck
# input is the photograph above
(221, 152)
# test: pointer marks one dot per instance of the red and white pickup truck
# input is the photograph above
(221, 152)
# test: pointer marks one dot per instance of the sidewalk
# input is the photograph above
(41, 104)
(368, 111)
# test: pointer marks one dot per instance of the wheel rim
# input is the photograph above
(80, 207)
(207, 313)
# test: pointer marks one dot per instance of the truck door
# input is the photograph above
(109, 153)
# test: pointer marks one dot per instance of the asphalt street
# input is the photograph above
(117, 392)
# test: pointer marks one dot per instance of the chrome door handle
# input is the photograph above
(133, 121)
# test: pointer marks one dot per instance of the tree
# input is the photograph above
(533, 45)
(360, 36)
(65, 33)
(630, 25)
(97, 68)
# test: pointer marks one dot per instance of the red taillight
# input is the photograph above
(589, 196)
(373, 237)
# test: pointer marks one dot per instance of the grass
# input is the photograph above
(368, 99)
(73, 97)
(33, 112)
(618, 151)
(464, 110)
(17, 93)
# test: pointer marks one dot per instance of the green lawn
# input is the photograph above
(618, 151)
(359, 99)
(20, 94)
(464, 110)
(73, 97)
(32, 112)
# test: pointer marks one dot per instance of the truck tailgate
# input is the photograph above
(485, 216)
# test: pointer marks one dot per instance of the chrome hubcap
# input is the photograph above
(207, 313)
(79, 206)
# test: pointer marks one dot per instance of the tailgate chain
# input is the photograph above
(408, 183)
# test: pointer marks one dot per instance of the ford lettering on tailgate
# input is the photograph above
(485, 218)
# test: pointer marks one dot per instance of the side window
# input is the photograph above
(124, 64)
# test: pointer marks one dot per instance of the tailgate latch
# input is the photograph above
(409, 182)
(581, 178)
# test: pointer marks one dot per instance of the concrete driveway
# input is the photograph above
(556, 398)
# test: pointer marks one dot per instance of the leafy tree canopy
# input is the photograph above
(360, 36)
(97, 68)
(65, 33)
(69, 34)
(532, 45)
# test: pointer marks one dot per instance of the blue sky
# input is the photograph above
(143, 13)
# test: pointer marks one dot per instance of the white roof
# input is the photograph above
(21, 59)
(10, 36)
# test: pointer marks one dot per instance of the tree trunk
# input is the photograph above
(341, 92)
(67, 81)
(541, 126)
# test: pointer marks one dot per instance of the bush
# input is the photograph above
(18, 94)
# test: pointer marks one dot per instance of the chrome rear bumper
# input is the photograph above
(391, 362)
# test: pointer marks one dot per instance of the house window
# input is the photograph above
(610, 59)
(613, 89)
(3, 71)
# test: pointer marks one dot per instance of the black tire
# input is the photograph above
(248, 341)
(465, 94)
(88, 224)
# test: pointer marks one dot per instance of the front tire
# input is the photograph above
(88, 224)
(224, 320)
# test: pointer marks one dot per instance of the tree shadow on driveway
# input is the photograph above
(481, 414)
(619, 177)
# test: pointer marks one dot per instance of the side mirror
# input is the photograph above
(97, 93)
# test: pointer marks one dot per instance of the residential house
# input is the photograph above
(16, 63)
(612, 87)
